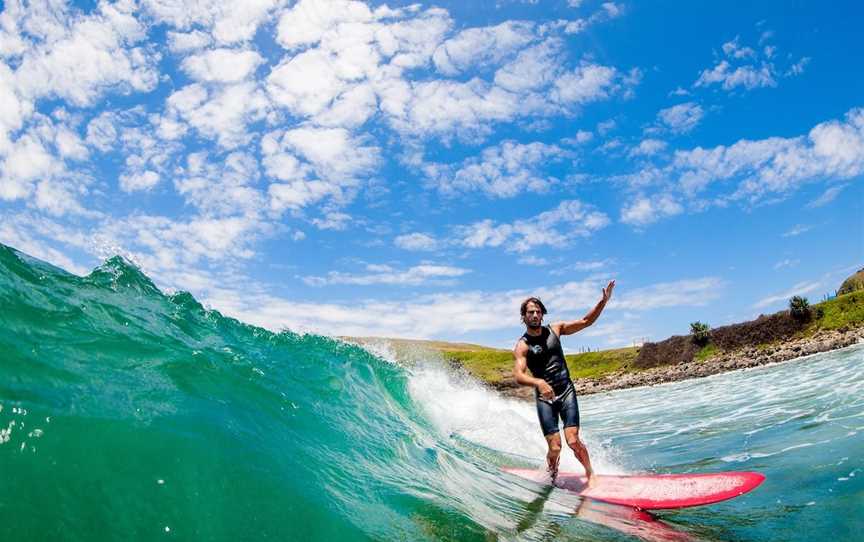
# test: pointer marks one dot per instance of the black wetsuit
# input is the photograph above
(546, 360)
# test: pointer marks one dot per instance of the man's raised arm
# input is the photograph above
(568, 328)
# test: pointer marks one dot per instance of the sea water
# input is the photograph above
(129, 414)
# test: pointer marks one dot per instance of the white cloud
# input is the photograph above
(587, 83)
(584, 136)
(333, 152)
(332, 221)
(533, 68)
(801, 289)
(221, 189)
(227, 21)
(182, 42)
(440, 315)
(646, 210)
(307, 21)
(222, 113)
(606, 126)
(90, 55)
(316, 163)
(681, 118)
(17, 232)
(797, 230)
(749, 77)
(222, 65)
(798, 67)
(416, 241)
(530, 259)
(558, 227)
(306, 83)
(648, 147)
(734, 50)
(348, 63)
(482, 46)
(413, 276)
(751, 171)
(133, 182)
(503, 170)
(745, 67)
(682, 293)
(786, 263)
(583, 266)
(827, 197)
(161, 244)
(26, 163)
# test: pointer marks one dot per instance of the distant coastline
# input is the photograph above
(782, 336)
(728, 361)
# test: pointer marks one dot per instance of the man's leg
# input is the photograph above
(571, 434)
(553, 456)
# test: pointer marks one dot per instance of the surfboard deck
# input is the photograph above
(652, 491)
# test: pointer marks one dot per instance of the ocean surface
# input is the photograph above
(130, 414)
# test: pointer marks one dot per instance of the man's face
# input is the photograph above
(533, 315)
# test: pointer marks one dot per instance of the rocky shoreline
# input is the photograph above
(743, 358)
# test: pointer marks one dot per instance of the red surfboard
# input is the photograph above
(652, 491)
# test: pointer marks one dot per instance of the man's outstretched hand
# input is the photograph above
(607, 291)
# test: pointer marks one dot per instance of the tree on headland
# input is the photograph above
(799, 307)
(701, 333)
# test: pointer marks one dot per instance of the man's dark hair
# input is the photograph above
(524, 307)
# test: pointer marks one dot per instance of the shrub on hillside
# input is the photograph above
(701, 333)
(799, 308)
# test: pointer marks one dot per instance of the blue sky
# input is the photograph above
(415, 170)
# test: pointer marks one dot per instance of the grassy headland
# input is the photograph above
(765, 338)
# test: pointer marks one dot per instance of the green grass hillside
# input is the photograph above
(844, 311)
(494, 366)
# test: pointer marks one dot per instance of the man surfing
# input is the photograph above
(539, 350)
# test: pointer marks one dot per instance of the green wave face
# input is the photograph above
(131, 414)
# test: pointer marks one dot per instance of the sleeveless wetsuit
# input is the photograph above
(546, 360)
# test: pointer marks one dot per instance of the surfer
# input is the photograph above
(539, 350)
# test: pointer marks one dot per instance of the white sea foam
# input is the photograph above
(459, 405)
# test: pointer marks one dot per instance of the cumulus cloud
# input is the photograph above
(347, 63)
(416, 241)
(747, 171)
(222, 114)
(315, 163)
(221, 188)
(227, 21)
(571, 219)
(746, 68)
(645, 210)
(87, 56)
(222, 65)
(648, 147)
(681, 118)
(502, 171)
(133, 182)
(482, 46)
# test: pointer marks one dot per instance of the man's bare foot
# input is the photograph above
(592, 481)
